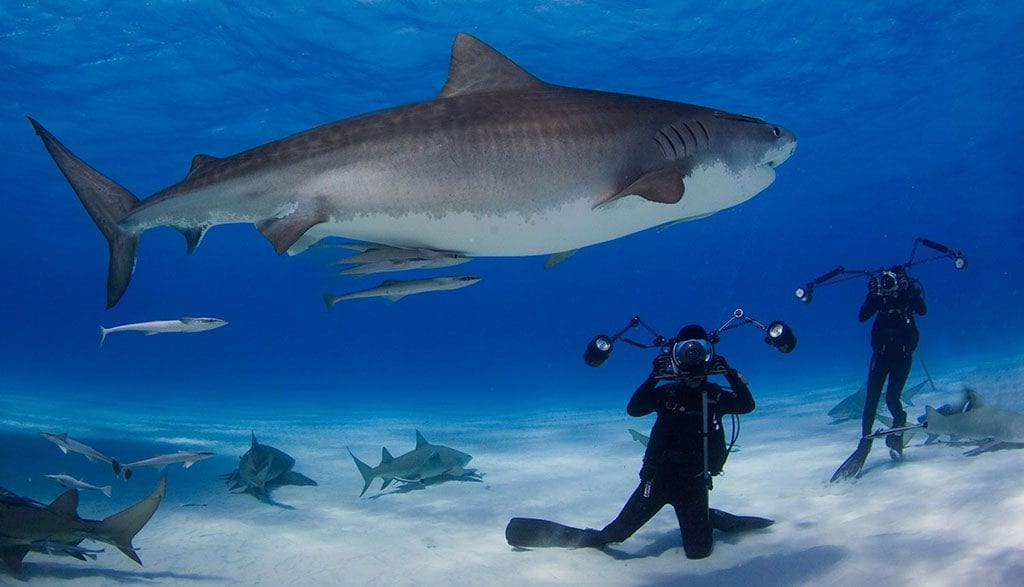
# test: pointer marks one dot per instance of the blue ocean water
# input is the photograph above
(906, 116)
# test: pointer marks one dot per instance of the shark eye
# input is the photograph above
(776, 131)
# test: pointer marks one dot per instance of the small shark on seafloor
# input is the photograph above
(988, 427)
(164, 326)
(852, 406)
(68, 444)
(27, 526)
(186, 457)
(499, 163)
(262, 469)
(419, 465)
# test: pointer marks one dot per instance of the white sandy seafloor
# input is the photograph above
(938, 518)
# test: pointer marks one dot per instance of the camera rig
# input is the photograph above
(887, 281)
(687, 358)
(778, 335)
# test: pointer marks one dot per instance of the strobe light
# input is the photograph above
(598, 350)
(780, 336)
(804, 293)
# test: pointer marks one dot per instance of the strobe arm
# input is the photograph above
(805, 293)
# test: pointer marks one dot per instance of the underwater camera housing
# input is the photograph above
(689, 357)
(886, 282)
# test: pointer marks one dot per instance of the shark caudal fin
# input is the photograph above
(107, 203)
(365, 470)
(120, 528)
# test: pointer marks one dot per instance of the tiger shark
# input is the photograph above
(499, 163)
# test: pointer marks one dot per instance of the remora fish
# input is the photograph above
(424, 462)
(186, 457)
(262, 469)
(56, 528)
(67, 444)
(72, 483)
(987, 426)
(164, 326)
(500, 163)
(396, 290)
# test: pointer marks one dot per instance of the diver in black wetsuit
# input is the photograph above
(895, 298)
(674, 470)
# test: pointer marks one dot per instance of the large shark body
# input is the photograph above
(500, 163)
(29, 526)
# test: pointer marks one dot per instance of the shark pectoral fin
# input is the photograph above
(558, 258)
(294, 478)
(664, 186)
(283, 232)
(394, 299)
(478, 67)
(13, 558)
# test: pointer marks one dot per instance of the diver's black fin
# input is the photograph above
(726, 522)
(851, 466)
(533, 533)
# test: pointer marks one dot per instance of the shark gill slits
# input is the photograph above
(692, 135)
(707, 137)
(682, 141)
(675, 153)
(664, 151)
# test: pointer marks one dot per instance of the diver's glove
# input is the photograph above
(719, 364)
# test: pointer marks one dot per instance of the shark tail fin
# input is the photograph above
(120, 528)
(107, 203)
(103, 335)
(365, 470)
(106, 489)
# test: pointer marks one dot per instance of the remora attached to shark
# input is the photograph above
(262, 469)
(27, 526)
(500, 163)
(989, 427)
(424, 462)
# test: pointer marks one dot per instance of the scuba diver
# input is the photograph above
(893, 298)
(680, 459)
(687, 444)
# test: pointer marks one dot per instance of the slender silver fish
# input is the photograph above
(499, 163)
(396, 290)
(165, 326)
(72, 483)
(68, 444)
(186, 457)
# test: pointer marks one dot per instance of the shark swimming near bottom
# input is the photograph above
(498, 163)
(424, 462)
(989, 427)
(28, 526)
(262, 469)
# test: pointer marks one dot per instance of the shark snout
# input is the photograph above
(785, 146)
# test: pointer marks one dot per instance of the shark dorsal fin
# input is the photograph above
(66, 503)
(202, 163)
(385, 456)
(478, 67)
(254, 443)
(420, 441)
(975, 399)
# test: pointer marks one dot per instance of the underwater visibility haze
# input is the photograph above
(820, 136)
